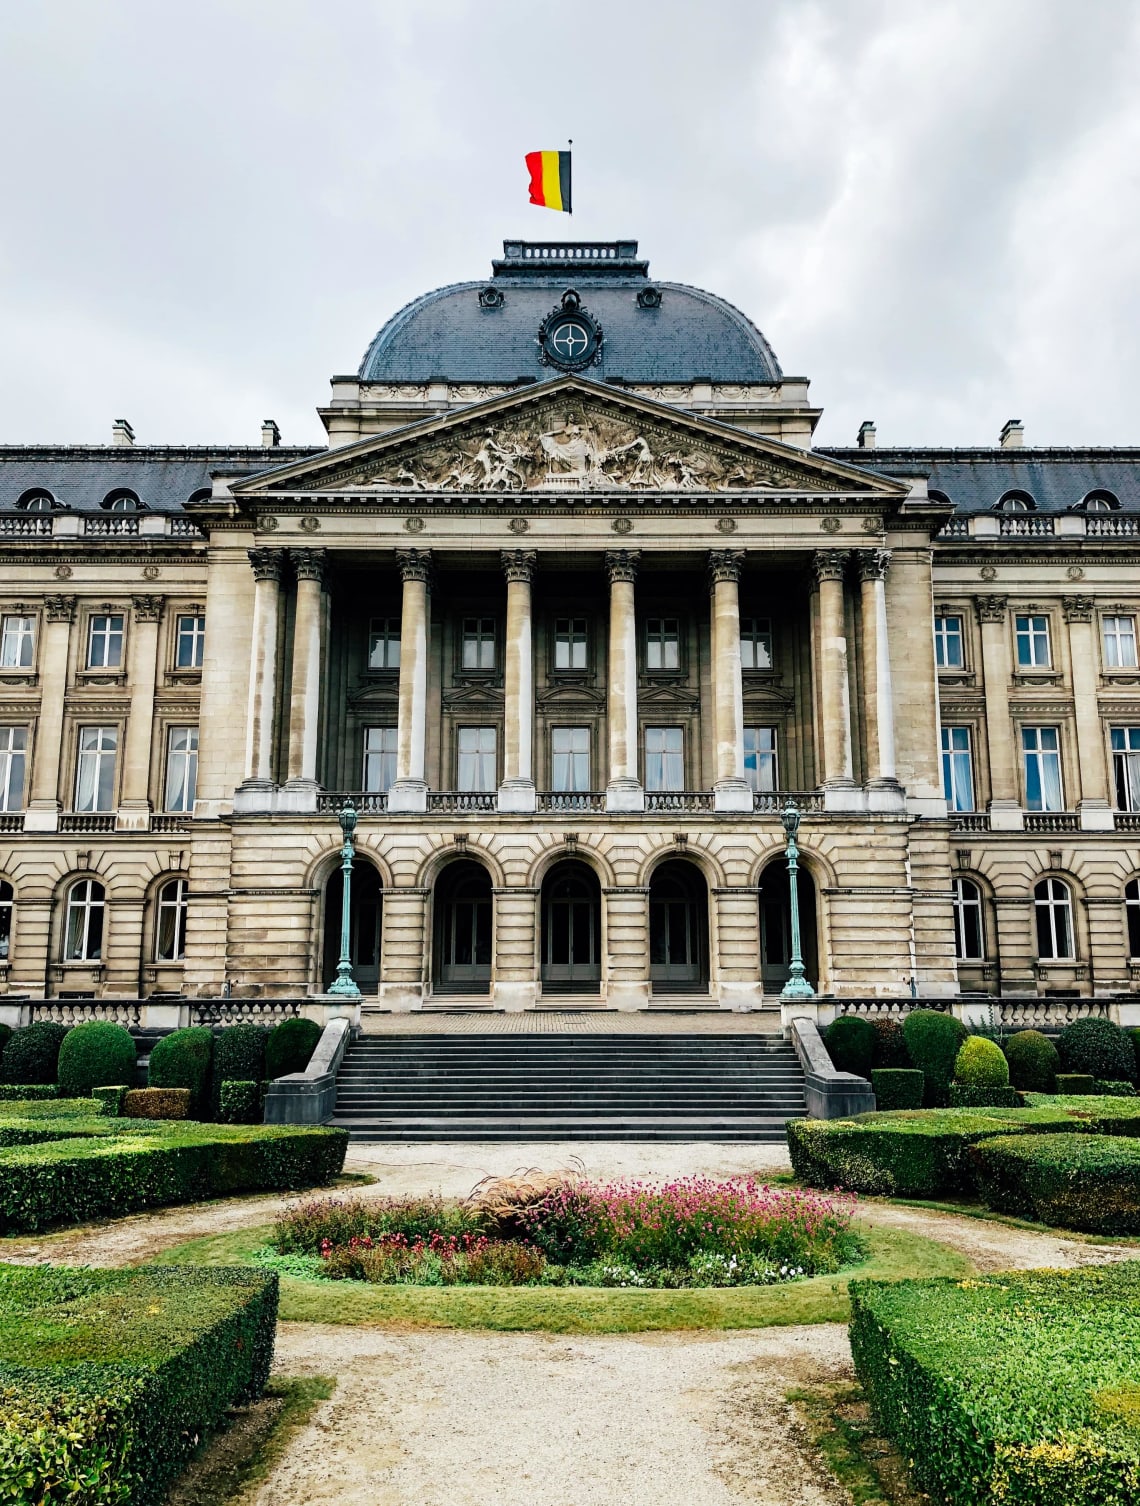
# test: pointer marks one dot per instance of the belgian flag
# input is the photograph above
(549, 179)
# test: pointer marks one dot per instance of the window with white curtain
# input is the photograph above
(13, 760)
(17, 642)
(95, 769)
(478, 647)
(569, 643)
(477, 759)
(1119, 642)
(170, 928)
(1041, 751)
(570, 759)
(181, 768)
(958, 768)
(379, 758)
(662, 643)
(969, 931)
(7, 910)
(664, 758)
(83, 929)
(1126, 766)
(1053, 905)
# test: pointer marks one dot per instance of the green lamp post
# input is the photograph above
(797, 986)
(344, 984)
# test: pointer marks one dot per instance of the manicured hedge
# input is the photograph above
(109, 1379)
(239, 1055)
(965, 1096)
(1071, 1083)
(289, 1047)
(1013, 1388)
(94, 1054)
(1033, 1061)
(1088, 1182)
(32, 1052)
(981, 1063)
(1099, 1048)
(5, 1036)
(157, 1103)
(183, 1059)
(850, 1042)
(890, 1043)
(111, 1099)
(239, 1103)
(27, 1090)
(897, 1088)
(934, 1040)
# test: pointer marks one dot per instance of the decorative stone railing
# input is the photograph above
(78, 1011)
(242, 1011)
(1026, 525)
(118, 526)
(91, 821)
(11, 821)
(773, 801)
(567, 800)
(1045, 821)
(367, 802)
(459, 801)
(26, 527)
(970, 820)
(180, 822)
(679, 800)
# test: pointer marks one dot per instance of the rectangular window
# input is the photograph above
(1032, 642)
(105, 642)
(1041, 749)
(13, 754)
(948, 642)
(190, 639)
(570, 643)
(664, 758)
(957, 769)
(663, 643)
(755, 643)
(384, 643)
(478, 643)
(95, 773)
(379, 758)
(478, 760)
(1126, 767)
(1120, 643)
(760, 758)
(17, 640)
(181, 768)
(570, 759)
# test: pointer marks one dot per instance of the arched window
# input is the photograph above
(1099, 501)
(170, 931)
(1016, 502)
(1132, 914)
(83, 938)
(7, 905)
(38, 500)
(121, 501)
(1053, 905)
(969, 930)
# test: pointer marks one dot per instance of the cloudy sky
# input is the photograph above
(931, 207)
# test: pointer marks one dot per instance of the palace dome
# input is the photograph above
(642, 332)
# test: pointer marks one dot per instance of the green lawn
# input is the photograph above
(894, 1254)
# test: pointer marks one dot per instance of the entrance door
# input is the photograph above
(364, 934)
(464, 930)
(776, 926)
(678, 930)
(571, 949)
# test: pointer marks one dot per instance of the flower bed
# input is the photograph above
(1022, 1388)
(688, 1233)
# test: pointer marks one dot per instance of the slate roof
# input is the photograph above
(975, 480)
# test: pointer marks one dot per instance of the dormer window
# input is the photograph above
(122, 501)
(38, 500)
(1099, 501)
(1017, 502)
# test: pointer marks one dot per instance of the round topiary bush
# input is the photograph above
(97, 1054)
(32, 1052)
(981, 1064)
(1033, 1060)
(934, 1040)
(1099, 1048)
(850, 1043)
(183, 1059)
(239, 1055)
(289, 1047)
(890, 1043)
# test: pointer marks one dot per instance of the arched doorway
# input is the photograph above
(776, 926)
(464, 911)
(364, 936)
(678, 929)
(571, 930)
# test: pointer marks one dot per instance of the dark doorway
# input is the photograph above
(364, 937)
(678, 930)
(464, 920)
(571, 930)
(776, 926)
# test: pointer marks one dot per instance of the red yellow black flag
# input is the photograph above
(549, 179)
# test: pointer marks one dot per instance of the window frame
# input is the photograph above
(664, 753)
(951, 762)
(942, 638)
(1122, 786)
(180, 906)
(107, 635)
(573, 640)
(26, 638)
(961, 905)
(1031, 635)
(1051, 905)
(1115, 636)
(661, 639)
(7, 919)
(190, 754)
(100, 754)
(197, 639)
(370, 754)
(7, 756)
(479, 753)
(574, 754)
(1039, 754)
(88, 906)
(770, 754)
(380, 633)
(758, 634)
(1132, 918)
(481, 637)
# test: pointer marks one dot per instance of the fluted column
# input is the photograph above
(134, 805)
(47, 753)
(1094, 802)
(1005, 801)
(305, 697)
(516, 793)
(731, 791)
(835, 694)
(261, 710)
(623, 791)
(409, 790)
(878, 696)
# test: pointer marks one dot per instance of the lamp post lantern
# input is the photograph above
(797, 986)
(344, 984)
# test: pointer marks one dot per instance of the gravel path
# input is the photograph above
(993, 1246)
(512, 1419)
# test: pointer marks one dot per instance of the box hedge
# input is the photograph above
(897, 1088)
(157, 1103)
(289, 1046)
(1086, 1182)
(92, 1054)
(1069, 1084)
(1099, 1048)
(108, 1379)
(239, 1102)
(32, 1052)
(1014, 1388)
(239, 1055)
(966, 1096)
(110, 1098)
(850, 1042)
(1033, 1060)
(184, 1059)
(27, 1090)
(934, 1040)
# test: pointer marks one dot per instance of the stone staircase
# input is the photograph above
(492, 1087)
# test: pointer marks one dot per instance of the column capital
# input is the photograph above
(724, 564)
(621, 564)
(830, 564)
(873, 564)
(519, 564)
(415, 564)
(309, 564)
(991, 608)
(1077, 608)
(267, 564)
(60, 608)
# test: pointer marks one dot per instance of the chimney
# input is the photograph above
(1012, 434)
(122, 435)
(270, 435)
(866, 440)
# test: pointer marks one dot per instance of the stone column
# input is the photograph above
(623, 791)
(835, 692)
(732, 791)
(409, 790)
(1005, 803)
(262, 708)
(516, 793)
(134, 805)
(878, 694)
(1094, 802)
(47, 754)
(305, 698)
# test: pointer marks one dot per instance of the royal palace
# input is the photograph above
(570, 606)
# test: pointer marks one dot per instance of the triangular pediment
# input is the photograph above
(569, 437)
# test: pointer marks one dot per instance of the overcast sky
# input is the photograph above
(931, 207)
